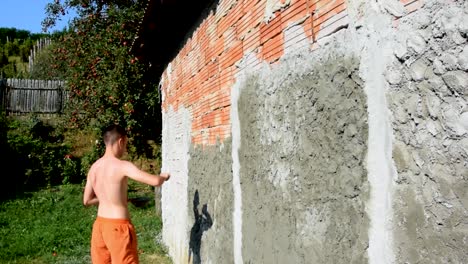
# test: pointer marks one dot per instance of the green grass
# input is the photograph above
(52, 226)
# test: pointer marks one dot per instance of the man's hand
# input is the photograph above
(165, 176)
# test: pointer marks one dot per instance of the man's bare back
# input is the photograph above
(110, 186)
(107, 182)
(113, 238)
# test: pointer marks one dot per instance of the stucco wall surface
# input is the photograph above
(211, 204)
(174, 196)
(428, 82)
(319, 132)
(304, 136)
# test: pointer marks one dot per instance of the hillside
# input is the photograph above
(15, 48)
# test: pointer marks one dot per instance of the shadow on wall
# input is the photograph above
(202, 223)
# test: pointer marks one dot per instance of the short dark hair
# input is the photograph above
(112, 133)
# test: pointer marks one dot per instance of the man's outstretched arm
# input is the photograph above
(136, 174)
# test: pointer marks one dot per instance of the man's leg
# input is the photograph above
(121, 240)
(99, 252)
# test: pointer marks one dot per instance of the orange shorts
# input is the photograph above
(113, 241)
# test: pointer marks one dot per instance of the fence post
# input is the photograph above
(60, 96)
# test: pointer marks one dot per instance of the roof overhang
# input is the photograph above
(164, 27)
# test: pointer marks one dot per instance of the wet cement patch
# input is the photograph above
(302, 153)
(428, 100)
(211, 204)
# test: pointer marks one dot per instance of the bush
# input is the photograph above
(71, 170)
(35, 155)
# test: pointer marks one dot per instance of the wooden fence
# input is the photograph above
(19, 96)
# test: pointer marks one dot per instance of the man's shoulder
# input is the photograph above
(98, 163)
(125, 162)
(125, 165)
(110, 162)
(95, 164)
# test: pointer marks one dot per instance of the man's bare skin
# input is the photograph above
(113, 238)
(107, 181)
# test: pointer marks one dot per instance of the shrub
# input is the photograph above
(34, 155)
(71, 170)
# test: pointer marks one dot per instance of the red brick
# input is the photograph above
(225, 117)
(251, 40)
(192, 92)
(229, 38)
(231, 56)
(205, 46)
(225, 5)
(231, 19)
(318, 22)
(249, 5)
(212, 68)
(209, 86)
(201, 32)
(255, 11)
(219, 47)
(273, 49)
(200, 59)
(213, 89)
(252, 17)
(271, 30)
(222, 100)
(202, 75)
(221, 28)
(295, 12)
(226, 78)
(326, 9)
(196, 121)
(197, 139)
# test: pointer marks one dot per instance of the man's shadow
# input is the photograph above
(202, 223)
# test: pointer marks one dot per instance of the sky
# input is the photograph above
(27, 15)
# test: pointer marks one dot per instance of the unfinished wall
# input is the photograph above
(303, 146)
(428, 98)
(318, 132)
(174, 195)
(211, 196)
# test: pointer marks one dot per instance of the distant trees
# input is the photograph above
(10, 34)
(15, 48)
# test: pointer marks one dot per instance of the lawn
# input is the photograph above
(52, 226)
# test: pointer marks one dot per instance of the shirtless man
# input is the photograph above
(113, 237)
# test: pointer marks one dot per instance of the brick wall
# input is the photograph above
(332, 147)
(202, 74)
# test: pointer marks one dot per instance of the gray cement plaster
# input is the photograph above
(210, 204)
(428, 98)
(303, 146)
